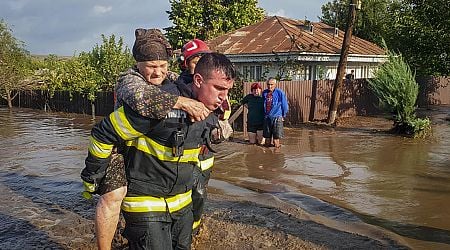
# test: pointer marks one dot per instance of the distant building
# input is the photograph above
(295, 50)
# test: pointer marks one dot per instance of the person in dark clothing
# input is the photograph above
(138, 88)
(192, 51)
(350, 76)
(160, 156)
(255, 116)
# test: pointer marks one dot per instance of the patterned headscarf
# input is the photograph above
(151, 45)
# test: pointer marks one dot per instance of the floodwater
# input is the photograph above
(340, 176)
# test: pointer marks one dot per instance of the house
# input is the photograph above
(295, 50)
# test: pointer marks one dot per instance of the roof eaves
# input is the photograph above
(307, 57)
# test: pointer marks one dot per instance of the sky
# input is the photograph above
(68, 27)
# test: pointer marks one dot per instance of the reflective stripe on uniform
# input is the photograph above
(122, 126)
(90, 187)
(206, 164)
(99, 149)
(196, 224)
(163, 153)
(156, 204)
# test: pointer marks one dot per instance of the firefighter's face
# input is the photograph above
(212, 91)
(153, 71)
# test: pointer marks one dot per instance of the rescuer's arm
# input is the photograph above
(122, 125)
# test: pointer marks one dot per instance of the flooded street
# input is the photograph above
(342, 177)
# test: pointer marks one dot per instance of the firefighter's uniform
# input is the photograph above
(160, 158)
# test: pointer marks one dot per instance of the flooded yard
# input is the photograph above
(354, 179)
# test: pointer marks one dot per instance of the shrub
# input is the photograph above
(395, 86)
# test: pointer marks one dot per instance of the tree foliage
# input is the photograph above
(109, 59)
(74, 75)
(14, 64)
(421, 32)
(371, 23)
(89, 72)
(418, 29)
(206, 19)
(395, 86)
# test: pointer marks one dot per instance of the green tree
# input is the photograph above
(108, 59)
(395, 86)
(14, 64)
(335, 13)
(69, 74)
(421, 32)
(89, 72)
(206, 19)
(418, 29)
(372, 22)
(50, 73)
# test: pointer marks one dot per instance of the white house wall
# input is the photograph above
(361, 70)
(363, 65)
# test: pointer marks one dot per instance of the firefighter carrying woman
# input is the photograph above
(163, 150)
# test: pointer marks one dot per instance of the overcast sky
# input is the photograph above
(67, 27)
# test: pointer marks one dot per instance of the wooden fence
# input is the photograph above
(308, 100)
(64, 101)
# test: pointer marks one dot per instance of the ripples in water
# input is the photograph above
(399, 184)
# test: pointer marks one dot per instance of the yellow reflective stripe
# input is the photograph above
(122, 126)
(207, 164)
(177, 202)
(90, 187)
(156, 204)
(196, 224)
(99, 149)
(143, 204)
(226, 114)
(163, 153)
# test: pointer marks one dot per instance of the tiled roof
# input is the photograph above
(279, 34)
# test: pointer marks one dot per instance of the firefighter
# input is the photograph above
(160, 157)
(138, 88)
(192, 51)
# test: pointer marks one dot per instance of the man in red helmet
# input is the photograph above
(192, 51)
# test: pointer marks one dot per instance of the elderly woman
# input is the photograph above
(255, 117)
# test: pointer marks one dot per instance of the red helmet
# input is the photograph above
(192, 48)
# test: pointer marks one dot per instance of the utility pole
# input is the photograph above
(335, 97)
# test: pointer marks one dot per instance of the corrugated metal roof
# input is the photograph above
(279, 34)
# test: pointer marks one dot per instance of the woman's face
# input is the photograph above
(256, 92)
(153, 71)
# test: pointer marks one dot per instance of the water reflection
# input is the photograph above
(400, 184)
(387, 180)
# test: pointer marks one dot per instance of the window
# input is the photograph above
(252, 72)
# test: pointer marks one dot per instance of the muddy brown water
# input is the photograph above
(340, 177)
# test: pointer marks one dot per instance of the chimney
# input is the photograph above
(332, 31)
(307, 26)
